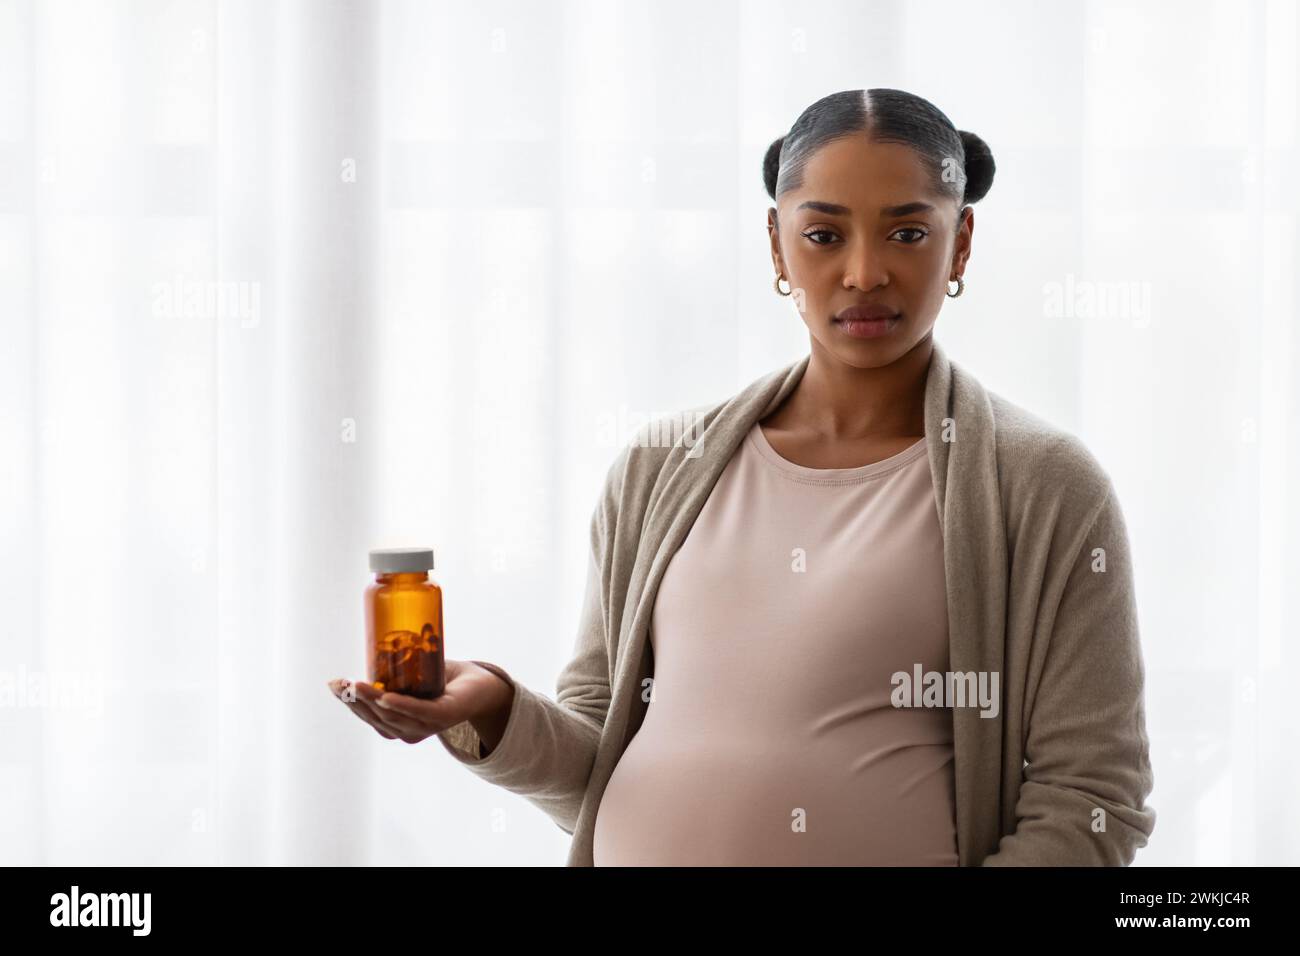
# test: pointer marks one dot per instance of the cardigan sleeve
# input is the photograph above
(1088, 771)
(548, 748)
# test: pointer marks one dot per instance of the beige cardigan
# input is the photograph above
(1040, 591)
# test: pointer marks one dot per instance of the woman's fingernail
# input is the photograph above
(380, 701)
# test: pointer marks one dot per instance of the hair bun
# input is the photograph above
(979, 167)
(772, 165)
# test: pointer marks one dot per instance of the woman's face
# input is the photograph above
(866, 229)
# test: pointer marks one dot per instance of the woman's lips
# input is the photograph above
(867, 328)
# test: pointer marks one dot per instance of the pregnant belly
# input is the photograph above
(761, 803)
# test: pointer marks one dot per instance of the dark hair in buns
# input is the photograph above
(959, 162)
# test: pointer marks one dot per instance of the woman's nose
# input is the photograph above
(865, 270)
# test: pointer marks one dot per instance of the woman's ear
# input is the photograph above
(774, 239)
(962, 245)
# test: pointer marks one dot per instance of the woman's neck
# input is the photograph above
(838, 402)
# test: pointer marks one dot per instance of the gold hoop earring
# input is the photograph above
(776, 283)
(961, 287)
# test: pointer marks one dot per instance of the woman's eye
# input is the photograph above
(818, 232)
(920, 234)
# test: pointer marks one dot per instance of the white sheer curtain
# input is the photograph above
(282, 282)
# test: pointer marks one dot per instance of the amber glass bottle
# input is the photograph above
(404, 623)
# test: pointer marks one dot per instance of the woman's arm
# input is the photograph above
(1082, 800)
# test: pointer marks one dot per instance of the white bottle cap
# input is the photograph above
(401, 560)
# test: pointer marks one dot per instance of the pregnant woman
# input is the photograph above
(863, 612)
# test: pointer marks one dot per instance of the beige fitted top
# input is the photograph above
(772, 737)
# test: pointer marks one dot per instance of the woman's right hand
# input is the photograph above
(471, 692)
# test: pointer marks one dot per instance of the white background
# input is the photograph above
(556, 228)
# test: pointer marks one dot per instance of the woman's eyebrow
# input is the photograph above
(835, 209)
